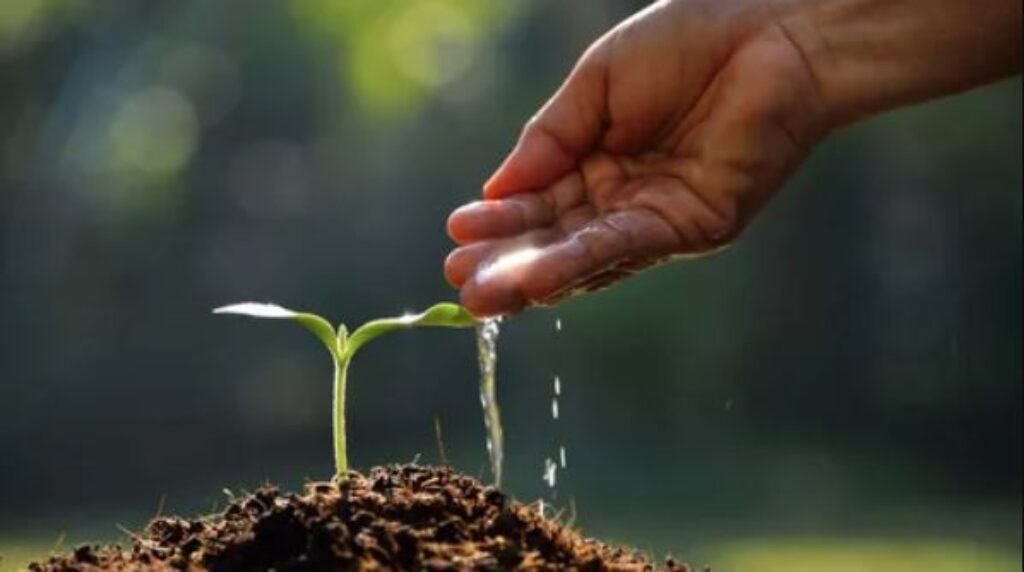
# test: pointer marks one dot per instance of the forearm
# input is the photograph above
(873, 55)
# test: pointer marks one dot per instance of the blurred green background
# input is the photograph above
(841, 391)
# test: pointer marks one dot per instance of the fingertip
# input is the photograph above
(481, 220)
(459, 265)
(462, 263)
(498, 185)
(452, 272)
(537, 161)
(455, 226)
(485, 300)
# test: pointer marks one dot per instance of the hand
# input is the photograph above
(667, 137)
(677, 125)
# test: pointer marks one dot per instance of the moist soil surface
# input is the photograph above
(401, 517)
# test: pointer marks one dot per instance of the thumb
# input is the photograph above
(563, 131)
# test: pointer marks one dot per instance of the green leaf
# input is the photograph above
(445, 315)
(320, 327)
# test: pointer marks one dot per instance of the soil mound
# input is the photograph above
(401, 517)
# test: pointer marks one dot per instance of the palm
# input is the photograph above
(691, 160)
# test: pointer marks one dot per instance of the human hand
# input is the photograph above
(676, 126)
(670, 133)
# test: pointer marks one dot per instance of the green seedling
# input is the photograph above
(342, 346)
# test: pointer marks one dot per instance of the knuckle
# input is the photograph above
(725, 223)
(532, 127)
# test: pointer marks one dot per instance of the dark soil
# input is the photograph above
(403, 517)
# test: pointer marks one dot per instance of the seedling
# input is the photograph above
(343, 346)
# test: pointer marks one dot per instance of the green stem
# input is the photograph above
(340, 445)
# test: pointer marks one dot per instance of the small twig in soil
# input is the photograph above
(440, 442)
(571, 523)
(59, 542)
(160, 506)
(124, 530)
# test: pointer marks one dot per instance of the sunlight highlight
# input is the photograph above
(508, 262)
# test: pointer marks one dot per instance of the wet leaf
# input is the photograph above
(444, 315)
(320, 327)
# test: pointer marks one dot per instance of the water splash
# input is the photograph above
(486, 346)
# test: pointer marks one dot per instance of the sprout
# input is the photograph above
(343, 346)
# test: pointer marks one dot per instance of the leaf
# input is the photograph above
(445, 315)
(320, 327)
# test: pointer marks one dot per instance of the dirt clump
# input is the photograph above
(400, 517)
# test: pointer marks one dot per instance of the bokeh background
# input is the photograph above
(840, 391)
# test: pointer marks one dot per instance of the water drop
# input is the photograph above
(558, 324)
(554, 408)
(561, 456)
(550, 472)
(558, 385)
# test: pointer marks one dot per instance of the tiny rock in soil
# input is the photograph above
(400, 517)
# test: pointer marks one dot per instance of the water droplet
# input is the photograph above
(550, 472)
(561, 456)
(558, 324)
(554, 408)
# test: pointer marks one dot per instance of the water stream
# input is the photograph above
(486, 345)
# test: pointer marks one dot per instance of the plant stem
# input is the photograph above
(340, 444)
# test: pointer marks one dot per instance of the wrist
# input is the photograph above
(869, 56)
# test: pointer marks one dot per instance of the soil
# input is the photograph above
(401, 517)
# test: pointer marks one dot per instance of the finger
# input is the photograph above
(493, 286)
(485, 301)
(488, 273)
(462, 262)
(502, 285)
(516, 214)
(564, 130)
(650, 236)
(499, 218)
(515, 278)
(576, 218)
(607, 250)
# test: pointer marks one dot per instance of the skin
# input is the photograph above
(679, 124)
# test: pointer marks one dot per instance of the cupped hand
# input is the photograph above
(669, 134)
